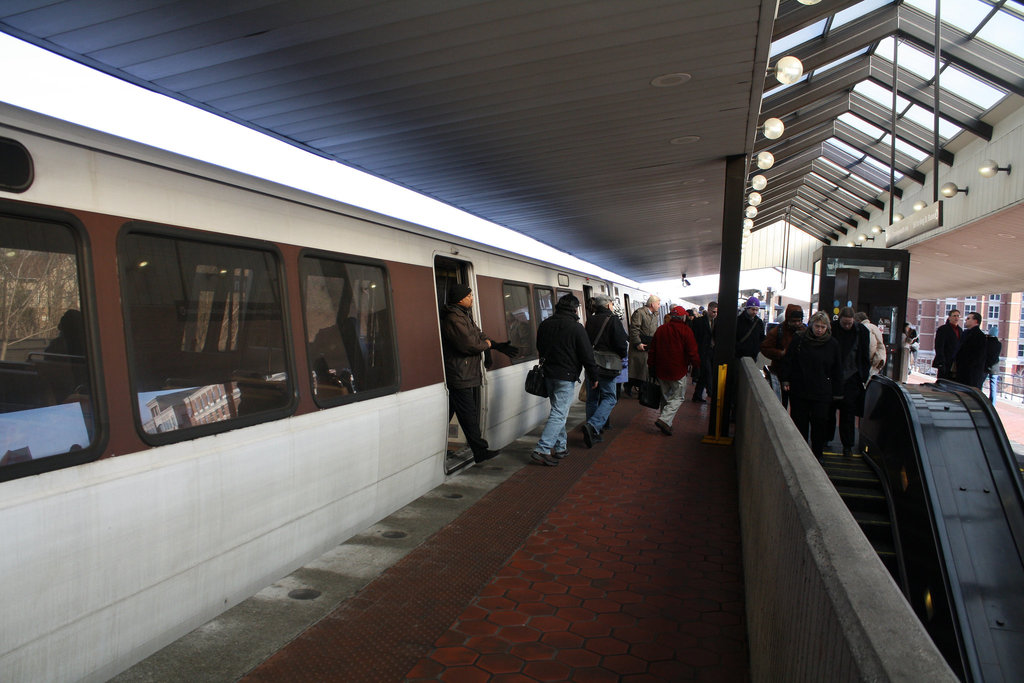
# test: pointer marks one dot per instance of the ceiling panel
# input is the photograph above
(539, 115)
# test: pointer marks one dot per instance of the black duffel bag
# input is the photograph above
(650, 394)
(535, 382)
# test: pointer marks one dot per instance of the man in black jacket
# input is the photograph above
(565, 348)
(704, 328)
(970, 357)
(607, 334)
(463, 344)
(855, 352)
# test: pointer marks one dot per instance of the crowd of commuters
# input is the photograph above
(819, 370)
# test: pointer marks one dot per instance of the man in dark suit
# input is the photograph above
(947, 341)
(704, 331)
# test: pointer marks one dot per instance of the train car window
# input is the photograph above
(544, 299)
(46, 398)
(206, 333)
(349, 334)
(519, 323)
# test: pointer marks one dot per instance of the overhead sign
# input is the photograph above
(917, 223)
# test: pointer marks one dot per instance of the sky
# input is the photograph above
(55, 86)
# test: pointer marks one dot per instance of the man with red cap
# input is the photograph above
(671, 354)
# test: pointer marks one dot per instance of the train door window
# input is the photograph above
(206, 334)
(46, 398)
(544, 299)
(626, 310)
(349, 332)
(519, 321)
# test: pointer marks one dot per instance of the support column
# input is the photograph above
(728, 280)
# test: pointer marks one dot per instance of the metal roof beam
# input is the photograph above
(856, 166)
(862, 192)
(954, 109)
(793, 15)
(1000, 68)
(811, 220)
(910, 132)
(878, 151)
(814, 205)
(829, 192)
(918, 90)
(814, 201)
(855, 36)
(819, 232)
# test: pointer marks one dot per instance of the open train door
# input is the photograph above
(449, 271)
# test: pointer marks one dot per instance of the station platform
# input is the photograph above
(621, 564)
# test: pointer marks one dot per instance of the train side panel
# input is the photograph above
(103, 563)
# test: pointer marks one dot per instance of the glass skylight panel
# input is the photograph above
(1006, 32)
(780, 46)
(970, 88)
(868, 187)
(906, 148)
(926, 119)
(882, 96)
(861, 125)
(910, 58)
(964, 14)
(857, 11)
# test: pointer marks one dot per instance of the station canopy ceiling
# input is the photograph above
(599, 127)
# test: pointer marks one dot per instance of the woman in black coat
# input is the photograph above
(812, 373)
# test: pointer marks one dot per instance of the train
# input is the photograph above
(208, 379)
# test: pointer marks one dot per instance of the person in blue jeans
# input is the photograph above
(563, 345)
(607, 334)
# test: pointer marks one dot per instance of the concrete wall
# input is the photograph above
(820, 604)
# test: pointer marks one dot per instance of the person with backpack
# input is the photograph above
(777, 341)
(993, 350)
(969, 364)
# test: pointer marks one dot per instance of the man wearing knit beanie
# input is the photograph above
(464, 344)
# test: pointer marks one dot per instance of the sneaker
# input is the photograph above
(847, 452)
(665, 428)
(589, 435)
(560, 454)
(698, 400)
(543, 459)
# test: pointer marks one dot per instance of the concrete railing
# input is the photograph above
(820, 604)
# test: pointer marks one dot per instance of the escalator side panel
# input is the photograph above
(891, 438)
(959, 510)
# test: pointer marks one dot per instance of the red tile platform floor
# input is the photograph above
(621, 564)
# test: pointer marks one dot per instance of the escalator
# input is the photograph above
(951, 527)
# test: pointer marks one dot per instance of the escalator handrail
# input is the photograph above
(951, 581)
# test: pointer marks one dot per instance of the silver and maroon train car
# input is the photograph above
(207, 379)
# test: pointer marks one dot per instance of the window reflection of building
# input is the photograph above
(168, 412)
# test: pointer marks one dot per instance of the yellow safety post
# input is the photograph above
(717, 437)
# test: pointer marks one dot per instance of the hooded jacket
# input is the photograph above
(564, 345)
(462, 342)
